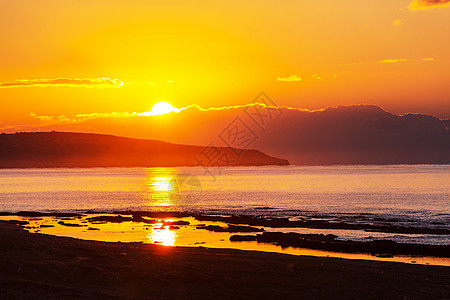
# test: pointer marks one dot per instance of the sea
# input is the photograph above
(397, 195)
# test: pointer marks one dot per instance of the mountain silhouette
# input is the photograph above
(62, 149)
(358, 134)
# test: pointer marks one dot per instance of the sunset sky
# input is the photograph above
(63, 58)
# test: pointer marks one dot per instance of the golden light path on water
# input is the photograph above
(162, 187)
(167, 188)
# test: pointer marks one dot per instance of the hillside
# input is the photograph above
(60, 149)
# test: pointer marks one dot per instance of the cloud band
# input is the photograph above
(290, 78)
(422, 4)
(73, 82)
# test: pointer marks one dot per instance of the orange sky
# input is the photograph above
(102, 56)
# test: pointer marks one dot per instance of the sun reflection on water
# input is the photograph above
(162, 184)
(168, 187)
(163, 236)
(162, 187)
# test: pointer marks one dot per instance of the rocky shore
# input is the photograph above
(38, 266)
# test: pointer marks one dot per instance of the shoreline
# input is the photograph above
(272, 234)
(38, 266)
(250, 220)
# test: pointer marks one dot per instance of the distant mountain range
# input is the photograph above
(358, 134)
(61, 149)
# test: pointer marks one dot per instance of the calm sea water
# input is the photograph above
(415, 195)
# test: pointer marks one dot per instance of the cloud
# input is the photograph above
(397, 22)
(75, 82)
(290, 78)
(391, 60)
(348, 64)
(423, 4)
(81, 118)
(41, 118)
(254, 104)
(428, 59)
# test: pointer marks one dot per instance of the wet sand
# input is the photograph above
(37, 266)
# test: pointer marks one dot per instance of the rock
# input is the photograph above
(70, 224)
(18, 222)
(92, 228)
(230, 228)
(242, 238)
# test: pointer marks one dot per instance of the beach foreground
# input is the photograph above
(43, 266)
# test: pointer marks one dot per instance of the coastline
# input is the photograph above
(38, 266)
(242, 232)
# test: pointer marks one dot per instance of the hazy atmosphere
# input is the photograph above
(225, 149)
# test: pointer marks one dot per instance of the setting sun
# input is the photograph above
(162, 108)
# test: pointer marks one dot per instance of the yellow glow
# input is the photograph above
(163, 184)
(164, 237)
(219, 54)
(162, 108)
(162, 187)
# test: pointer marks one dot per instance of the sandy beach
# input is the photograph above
(34, 266)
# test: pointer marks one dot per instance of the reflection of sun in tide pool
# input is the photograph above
(164, 236)
(162, 108)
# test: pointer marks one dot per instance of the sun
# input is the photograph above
(162, 108)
